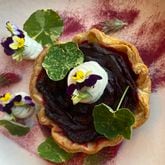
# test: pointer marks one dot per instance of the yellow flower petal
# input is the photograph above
(79, 76)
(17, 42)
(13, 46)
(20, 41)
(7, 97)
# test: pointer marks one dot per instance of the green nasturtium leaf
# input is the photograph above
(60, 59)
(113, 123)
(15, 128)
(45, 26)
(49, 150)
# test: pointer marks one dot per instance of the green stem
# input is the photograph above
(121, 100)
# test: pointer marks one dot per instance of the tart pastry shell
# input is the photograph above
(143, 83)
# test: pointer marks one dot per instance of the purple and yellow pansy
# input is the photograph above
(8, 101)
(14, 45)
(81, 80)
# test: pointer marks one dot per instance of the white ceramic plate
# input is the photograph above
(145, 29)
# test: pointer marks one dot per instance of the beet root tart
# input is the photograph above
(62, 134)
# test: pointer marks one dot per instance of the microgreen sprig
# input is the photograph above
(122, 98)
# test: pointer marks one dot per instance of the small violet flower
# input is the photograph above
(1, 107)
(84, 80)
(14, 30)
(9, 51)
(29, 101)
(15, 42)
(7, 102)
(91, 80)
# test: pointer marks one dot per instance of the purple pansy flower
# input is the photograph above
(1, 107)
(89, 82)
(28, 101)
(15, 31)
(18, 98)
(71, 89)
(21, 34)
(8, 106)
(6, 47)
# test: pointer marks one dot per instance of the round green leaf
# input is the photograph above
(15, 128)
(125, 116)
(60, 59)
(113, 123)
(49, 150)
(45, 26)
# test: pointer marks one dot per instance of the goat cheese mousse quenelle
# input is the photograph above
(86, 82)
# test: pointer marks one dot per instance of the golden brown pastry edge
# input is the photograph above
(143, 83)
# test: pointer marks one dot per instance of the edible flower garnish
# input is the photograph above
(74, 90)
(14, 45)
(19, 45)
(5, 98)
(5, 44)
(28, 100)
(9, 102)
(14, 30)
(80, 76)
(16, 107)
(89, 81)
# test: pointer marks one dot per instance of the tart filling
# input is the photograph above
(76, 120)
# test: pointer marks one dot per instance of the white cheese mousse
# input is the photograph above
(22, 111)
(85, 70)
(32, 48)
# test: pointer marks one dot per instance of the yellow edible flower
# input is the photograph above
(17, 42)
(6, 98)
(80, 76)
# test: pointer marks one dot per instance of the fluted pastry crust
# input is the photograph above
(143, 83)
